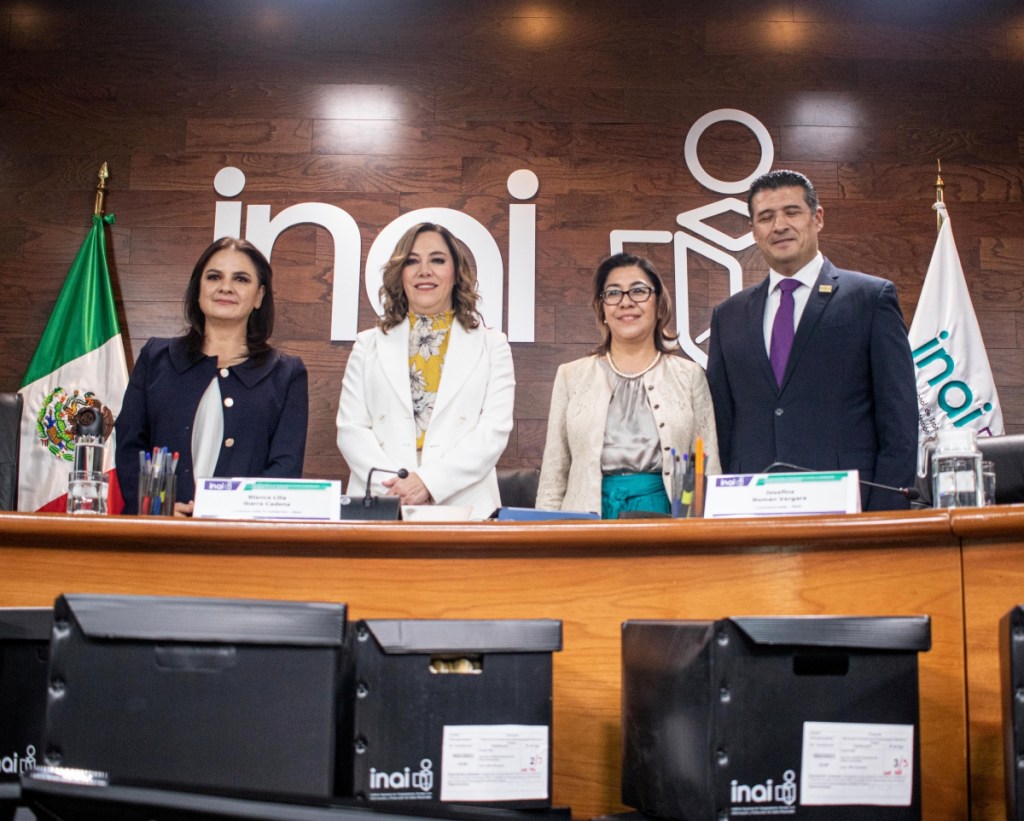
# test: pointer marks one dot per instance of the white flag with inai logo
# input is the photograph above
(954, 380)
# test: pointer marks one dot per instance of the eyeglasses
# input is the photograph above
(637, 294)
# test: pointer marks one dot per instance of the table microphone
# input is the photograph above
(89, 422)
(401, 473)
(911, 493)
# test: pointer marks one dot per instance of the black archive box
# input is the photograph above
(232, 696)
(24, 654)
(475, 694)
(24, 651)
(808, 717)
(1011, 666)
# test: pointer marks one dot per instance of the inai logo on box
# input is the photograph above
(755, 799)
(404, 780)
(11, 764)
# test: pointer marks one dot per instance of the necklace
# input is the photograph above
(617, 372)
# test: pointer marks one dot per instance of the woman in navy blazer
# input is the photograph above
(430, 389)
(220, 396)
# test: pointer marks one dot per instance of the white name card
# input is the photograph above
(782, 494)
(313, 500)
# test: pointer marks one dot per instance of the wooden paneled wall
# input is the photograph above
(383, 106)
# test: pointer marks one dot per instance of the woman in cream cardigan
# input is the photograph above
(617, 415)
(430, 389)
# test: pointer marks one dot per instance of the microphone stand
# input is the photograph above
(401, 473)
(910, 493)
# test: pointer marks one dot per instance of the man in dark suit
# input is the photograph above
(812, 366)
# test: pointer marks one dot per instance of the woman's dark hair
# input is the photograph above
(464, 293)
(261, 320)
(663, 313)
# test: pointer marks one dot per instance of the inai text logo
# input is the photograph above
(955, 396)
(699, 238)
(12, 765)
(732, 481)
(767, 793)
(404, 779)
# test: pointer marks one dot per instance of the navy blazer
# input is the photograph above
(265, 404)
(848, 399)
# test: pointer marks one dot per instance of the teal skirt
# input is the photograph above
(633, 491)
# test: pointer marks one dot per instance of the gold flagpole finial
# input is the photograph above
(939, 189)
(101, 190)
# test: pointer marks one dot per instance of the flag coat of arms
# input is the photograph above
(79, 362)
(954, 381)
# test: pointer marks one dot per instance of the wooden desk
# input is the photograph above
(592, 575)
(993, 562)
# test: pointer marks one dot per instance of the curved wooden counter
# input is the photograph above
(475, 538)
(993, 569)
(591, 575)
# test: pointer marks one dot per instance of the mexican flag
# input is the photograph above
(80, 361)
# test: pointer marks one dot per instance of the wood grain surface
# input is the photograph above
(993, 560)
(592, 576)
(383, 106)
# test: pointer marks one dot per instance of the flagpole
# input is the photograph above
(939, 197)
(101, 190)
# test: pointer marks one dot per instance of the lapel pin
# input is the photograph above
(824, 289)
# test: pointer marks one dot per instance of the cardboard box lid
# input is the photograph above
(26, 623)
(910, 633)
(222, 621)
(398, 636)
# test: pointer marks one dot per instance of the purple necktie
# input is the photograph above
(782, 329)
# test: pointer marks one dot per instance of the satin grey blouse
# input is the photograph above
(631, 442)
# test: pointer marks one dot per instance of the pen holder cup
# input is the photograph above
(159, 503)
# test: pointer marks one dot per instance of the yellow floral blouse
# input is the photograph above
(428, 344)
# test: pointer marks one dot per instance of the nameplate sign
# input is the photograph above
(782, 494)
(308, 500)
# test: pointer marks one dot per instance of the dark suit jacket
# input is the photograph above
(264, 424)
(848, 398)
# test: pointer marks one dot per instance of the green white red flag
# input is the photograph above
(79, 361)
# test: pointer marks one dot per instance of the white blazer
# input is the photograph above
(468, 429)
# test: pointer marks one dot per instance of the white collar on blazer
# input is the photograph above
(464, 349)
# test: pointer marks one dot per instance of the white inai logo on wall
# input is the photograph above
(699, 237)
(767, 793)
(404, 779)
(12, 764)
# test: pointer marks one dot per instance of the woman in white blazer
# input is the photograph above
(430, 389)
(618, 414)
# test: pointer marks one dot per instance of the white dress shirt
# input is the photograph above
(807, 276)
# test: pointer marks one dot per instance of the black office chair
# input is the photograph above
(518, 486)
(10, 446)
(1006, 453)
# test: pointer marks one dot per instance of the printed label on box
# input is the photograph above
(500, 762)
(869, 764)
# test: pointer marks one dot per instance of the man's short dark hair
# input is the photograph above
(783, 179)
